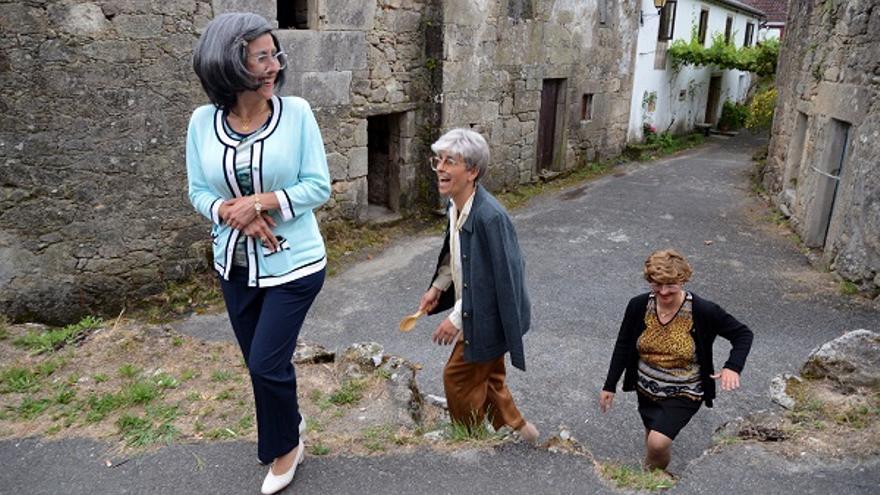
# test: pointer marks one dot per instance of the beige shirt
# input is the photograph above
(450, 271)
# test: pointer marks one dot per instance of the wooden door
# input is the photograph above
(547, 123)
(712, 100)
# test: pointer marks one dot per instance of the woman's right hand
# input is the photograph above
(606, 399)
(429, 300)
(261, 228)
(238, 212)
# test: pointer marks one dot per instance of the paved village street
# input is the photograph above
(584, 249)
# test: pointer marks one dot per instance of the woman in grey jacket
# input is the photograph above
(481, 276)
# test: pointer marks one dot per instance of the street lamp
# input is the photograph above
(659, 4)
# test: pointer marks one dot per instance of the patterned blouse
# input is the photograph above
(667, 355)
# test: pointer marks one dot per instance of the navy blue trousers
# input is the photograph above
(267, 322)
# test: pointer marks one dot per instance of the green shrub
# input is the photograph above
(733, 116)
(761, 109)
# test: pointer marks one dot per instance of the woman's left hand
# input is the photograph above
(729, 379)
(240, 212)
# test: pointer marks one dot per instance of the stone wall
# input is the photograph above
(828, 108)
(97, 95)
(496, 57)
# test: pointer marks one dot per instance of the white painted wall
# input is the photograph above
(673, 110)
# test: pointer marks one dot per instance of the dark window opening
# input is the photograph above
(603, 12)
(587, 107)
(750, 34)
(293, 14)
(520, 10)
(704, 25)
(728, 27)
(667, 21)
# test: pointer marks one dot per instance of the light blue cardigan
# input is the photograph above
(287, 158)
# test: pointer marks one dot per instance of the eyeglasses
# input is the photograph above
(658, 287)
(263, 59)
(435, 162)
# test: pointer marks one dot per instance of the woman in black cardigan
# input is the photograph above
(665, 349)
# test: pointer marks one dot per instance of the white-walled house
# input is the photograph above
(674, 100)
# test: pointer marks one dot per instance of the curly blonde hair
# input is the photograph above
(667, 266)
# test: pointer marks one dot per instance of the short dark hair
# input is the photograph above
(220, 56)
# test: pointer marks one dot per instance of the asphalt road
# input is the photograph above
(584, 249)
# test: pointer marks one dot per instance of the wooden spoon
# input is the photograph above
(409, 322)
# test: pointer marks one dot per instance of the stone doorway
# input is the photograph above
(384, 165)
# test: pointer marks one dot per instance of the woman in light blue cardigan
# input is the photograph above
(257, 170)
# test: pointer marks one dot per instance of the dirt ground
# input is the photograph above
(136, 386)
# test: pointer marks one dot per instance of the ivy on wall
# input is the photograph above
(760, 59)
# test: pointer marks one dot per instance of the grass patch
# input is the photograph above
(461, 432)
(848, 288)
(633, 478)
(349, 393)
(345, 238)
(198, 294)
(376, 438)
(319, 449)
(659, 145)
(128, 371)
(154, 427)
(17, 379)
(221, 376)
(56, 338)
(30, 407)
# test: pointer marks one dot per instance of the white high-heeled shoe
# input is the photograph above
(277, 482)
(302, 429)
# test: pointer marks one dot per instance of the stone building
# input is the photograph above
(822, 167)
(97, 95)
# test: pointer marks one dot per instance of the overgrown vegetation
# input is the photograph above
(733, 115)
(634, 478)
(761, 108)
(53, 339)
(658, 145)
(760, 59)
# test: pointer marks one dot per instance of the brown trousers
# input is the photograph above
(475, 390)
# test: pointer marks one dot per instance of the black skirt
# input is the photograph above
(668, 416)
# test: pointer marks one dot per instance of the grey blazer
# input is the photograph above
(495, 308)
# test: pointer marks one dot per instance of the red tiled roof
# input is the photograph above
(776, 10)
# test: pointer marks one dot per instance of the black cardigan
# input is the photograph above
(710, 320)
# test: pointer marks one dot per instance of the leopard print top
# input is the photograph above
(667, 355)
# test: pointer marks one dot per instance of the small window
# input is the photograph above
(728, 27)
(587, 107)
(750, 34)
(682, 94)
(704, 25)
(603, 12)
(293, 14)
(667, 21)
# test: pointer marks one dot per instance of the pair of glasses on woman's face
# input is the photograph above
(264, 59)
(655, 287)
(435, 162)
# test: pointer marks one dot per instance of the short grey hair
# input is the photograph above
(469, 145)
(220, 56)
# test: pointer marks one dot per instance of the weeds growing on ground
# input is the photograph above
(634, 478)
(54, 338)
